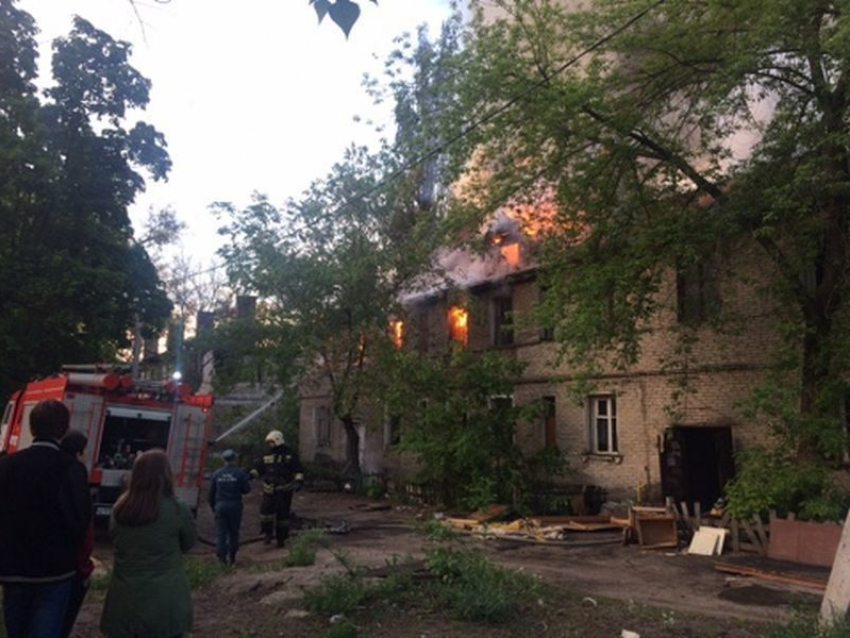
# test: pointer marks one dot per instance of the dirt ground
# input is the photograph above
(601, 587)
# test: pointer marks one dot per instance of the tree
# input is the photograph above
(72, 278)
(633, 143)
(330, 267)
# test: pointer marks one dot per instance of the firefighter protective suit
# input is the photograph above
(282, 475)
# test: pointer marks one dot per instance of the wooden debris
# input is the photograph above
(776, 576)
(489, 513)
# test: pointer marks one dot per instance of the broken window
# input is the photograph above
(393, 430)
(547, 333)
(503, 327)
(322, 423)
(423, 331)
(397, 333)
(698, 292)
(459, 325)
(603, 424)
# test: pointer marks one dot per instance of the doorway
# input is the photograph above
(696, 463)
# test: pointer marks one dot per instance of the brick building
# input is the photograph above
(637, 430)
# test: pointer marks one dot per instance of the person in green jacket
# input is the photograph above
(149, 594)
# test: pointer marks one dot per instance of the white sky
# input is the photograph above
(250, 94)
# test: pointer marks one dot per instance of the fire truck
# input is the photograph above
(122, 418)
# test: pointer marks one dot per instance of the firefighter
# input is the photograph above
(282, 475)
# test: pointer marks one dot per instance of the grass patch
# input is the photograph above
(476, 590)
(202, 572)
(435, 530)
(100, 582)
(342, 630)
(336, 594)
(303, 548)
(807, 627)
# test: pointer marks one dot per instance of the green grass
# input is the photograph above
(336, 594)
(203, 571)
(476, 590)
(342, 630)
(303, 548)
(807, 627)
(435, 530)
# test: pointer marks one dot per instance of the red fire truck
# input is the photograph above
(121, 418)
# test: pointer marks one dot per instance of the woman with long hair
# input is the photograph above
(149, 594)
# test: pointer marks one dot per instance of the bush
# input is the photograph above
(336, 594)
(476, 590)
(771, 480)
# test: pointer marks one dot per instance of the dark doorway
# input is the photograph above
(696, 463)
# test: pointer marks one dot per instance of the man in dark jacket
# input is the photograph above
(228, 485)
(45, 509)
(282, 476)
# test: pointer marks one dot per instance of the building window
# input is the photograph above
(459, 325)
(322, 423)
(547, 333)
(423, 331)
(550, 424)
(603, 424)
(503, 327)
(393, 430)
(397, 333)
(698, 293)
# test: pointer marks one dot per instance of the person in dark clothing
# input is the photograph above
(282, 475)
(45, 509)
(74, 443)
(228, 485)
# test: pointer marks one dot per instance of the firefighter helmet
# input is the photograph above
(275, 437)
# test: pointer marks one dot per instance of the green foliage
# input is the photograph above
(341, 630)
(461, 430)
(100, 582)
(336, 594)
(771, 480)
(808, 627)
(435, 530)
(302, 548)
(70, 165)
(476, 590)
(633, 148)
(202, 572)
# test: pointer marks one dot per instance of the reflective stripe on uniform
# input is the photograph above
(299, 477)
(268, 488)
(269, 458)
(266, 518)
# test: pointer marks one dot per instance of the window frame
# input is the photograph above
(322, 441)
(610, 417)
(502, 333)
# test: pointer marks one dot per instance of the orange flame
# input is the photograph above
(397, 333)
(458, 325)
(510, 253)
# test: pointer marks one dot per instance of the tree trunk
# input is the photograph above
(352, 446)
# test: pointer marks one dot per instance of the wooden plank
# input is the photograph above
(724, 520)
(753, 536)
(736, 536)
(697, 515)
(686, 515)
(779, 577)
(489, 513)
